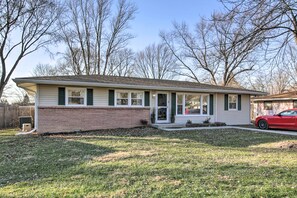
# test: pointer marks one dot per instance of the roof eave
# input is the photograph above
(273, 99)
(18, 81)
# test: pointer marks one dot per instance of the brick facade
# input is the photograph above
(66, 119)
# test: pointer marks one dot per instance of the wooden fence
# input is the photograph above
(9, 115)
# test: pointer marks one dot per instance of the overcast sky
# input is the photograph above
(152, 17)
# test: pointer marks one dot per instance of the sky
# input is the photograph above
(152, 17)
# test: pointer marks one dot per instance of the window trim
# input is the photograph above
(116, 98)
(75, 105)
(236, 109)
(184, 104)
(129, 97)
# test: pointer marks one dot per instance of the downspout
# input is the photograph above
(35, 113)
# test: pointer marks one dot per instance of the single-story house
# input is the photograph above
(272, 104)
(70, 103)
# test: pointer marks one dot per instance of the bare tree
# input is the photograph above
(214, 51)
(121, 63)
(25, 26)
(93, 33)
(155, 61)
(45, 70)
(275, 79)
(277, 20)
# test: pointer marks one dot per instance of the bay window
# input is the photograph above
(192, 104)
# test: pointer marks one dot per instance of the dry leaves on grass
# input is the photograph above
(280, 145)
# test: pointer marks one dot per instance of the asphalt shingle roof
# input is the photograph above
(275, 97)
(131, 81)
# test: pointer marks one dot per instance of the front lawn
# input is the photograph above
(149, 163)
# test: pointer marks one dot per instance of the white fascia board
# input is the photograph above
(127, 86)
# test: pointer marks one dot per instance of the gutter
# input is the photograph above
(129, 86)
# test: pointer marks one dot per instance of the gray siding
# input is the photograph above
(48, 96)
(234, 117)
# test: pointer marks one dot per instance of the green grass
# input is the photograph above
(148, 163)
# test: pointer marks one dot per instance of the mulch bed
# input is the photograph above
(214, 124)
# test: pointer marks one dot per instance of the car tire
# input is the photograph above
(262, 124)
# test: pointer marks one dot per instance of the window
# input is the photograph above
(192, 104)
(179, 104)
(76, 96)
(232, 102)
(136, 98)
(267, 105)
(204, 105)
(294, 103)
(288, 113)
(122, 98)
(129, 98)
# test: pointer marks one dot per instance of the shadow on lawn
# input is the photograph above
(214, 137)
(33, 158)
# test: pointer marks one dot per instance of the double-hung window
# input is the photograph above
(76, 96)
(232, 102)
(122, 98)
(136, 98)
(129, 98)
(192, 104)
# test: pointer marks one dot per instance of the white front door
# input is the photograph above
(162, 108)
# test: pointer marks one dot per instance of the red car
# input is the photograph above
(284, 120)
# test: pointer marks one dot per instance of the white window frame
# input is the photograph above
(184, 104)
(140, 92)
(75, 88)
(236, 96)
(116, 94)
(129, 98)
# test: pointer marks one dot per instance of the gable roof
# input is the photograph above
(131, 83)
(277, 97)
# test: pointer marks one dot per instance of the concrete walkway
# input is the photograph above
(232, 127)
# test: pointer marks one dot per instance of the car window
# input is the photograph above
(288, 113)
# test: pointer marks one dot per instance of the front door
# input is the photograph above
(162, 108)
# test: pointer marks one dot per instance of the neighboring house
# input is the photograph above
(70, 103)
(272, 104)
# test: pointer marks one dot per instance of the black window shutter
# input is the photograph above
(210, 104)
(147, 98)
(173, 103)
(111, 98)
(89, 97)
(226, 102)
(61, 96)
(239, 102)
